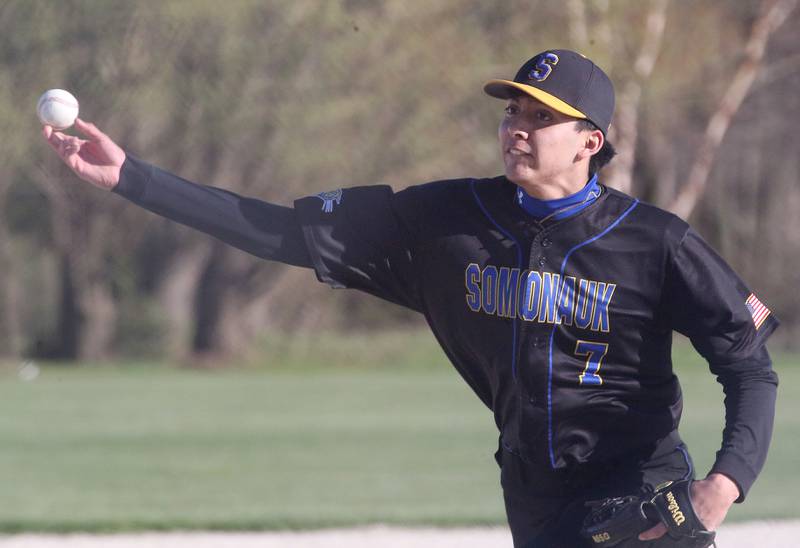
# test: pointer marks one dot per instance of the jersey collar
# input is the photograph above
(560, 208)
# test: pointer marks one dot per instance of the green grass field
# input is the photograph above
(295, 445)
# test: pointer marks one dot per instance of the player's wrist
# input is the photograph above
(723, 486)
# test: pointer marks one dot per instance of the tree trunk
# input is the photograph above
(230, 300)
(773, 14)
(99, 311)
(625, 129)
(175, 293)
(11, 291)
(576, 13)
(65, 342)
(209, 301)
(87, 311)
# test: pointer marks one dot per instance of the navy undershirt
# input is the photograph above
(560, 208)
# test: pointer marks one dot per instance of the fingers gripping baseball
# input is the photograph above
(96, 159)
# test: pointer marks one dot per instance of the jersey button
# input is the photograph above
(546, 242)
(542, 260)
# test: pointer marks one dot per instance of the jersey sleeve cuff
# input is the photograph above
(735, 468)
(133, 179)
(306, 209)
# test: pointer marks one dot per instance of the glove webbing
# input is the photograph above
(614, 520)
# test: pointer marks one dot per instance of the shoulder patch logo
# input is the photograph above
(328, 199)
(757, 310)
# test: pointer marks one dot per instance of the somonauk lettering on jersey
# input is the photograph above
(538, 296)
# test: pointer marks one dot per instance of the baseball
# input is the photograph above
(57, 108)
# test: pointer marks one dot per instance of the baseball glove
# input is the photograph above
(613, 520)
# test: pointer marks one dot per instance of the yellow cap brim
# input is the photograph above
(504, 89)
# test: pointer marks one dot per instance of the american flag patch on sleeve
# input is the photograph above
(758, 311)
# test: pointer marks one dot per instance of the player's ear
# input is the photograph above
(592, 143)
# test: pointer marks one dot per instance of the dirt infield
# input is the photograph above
(763, 534)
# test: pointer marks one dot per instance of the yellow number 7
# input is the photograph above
(594, 352)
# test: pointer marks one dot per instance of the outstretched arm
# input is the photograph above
(266, 230)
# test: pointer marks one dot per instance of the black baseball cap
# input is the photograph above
(565, 81)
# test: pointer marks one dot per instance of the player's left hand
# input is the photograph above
(711, 498)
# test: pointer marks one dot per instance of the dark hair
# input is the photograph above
(607, 151)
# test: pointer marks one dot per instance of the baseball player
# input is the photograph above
(554, 296)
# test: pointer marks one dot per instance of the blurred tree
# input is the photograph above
(10, 327)
(773, 14)
(626, 117)
(278, 100)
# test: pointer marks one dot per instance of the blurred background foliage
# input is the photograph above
(278, 99)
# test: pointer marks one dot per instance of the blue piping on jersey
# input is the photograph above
(519, 266)
(690, 471)
(553, 332)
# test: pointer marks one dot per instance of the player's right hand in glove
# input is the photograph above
(616, 520)
(711, 500)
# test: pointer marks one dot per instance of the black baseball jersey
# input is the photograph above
(563, 330)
